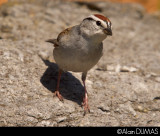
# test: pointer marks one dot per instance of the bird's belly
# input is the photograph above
(76, 61)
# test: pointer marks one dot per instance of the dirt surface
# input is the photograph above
(123, 88)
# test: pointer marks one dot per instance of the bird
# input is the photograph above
(79, 48)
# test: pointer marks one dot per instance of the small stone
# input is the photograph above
(21, 57)
(157, 79)
(110, 68)
(141, 109)
(152, 74)
(118, 68)
(128, 69)
(47, 123)
(61, 119)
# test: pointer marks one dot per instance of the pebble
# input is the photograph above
(21, 57)
(61, 119)
(118, 68)
(157, 79)
(128, 69)
(141, 109)
(47, 123)
(110, 68)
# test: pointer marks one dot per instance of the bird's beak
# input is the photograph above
(108, 31)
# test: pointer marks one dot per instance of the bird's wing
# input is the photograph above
(62, 34)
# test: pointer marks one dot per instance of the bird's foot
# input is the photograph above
(57, 93)
(85, 105)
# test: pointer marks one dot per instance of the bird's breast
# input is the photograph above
(77, 58)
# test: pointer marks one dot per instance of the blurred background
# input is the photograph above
(150, 5)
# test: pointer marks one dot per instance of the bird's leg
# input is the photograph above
(85, 98)
(57, 93)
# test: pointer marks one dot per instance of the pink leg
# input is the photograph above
(85, 99)
(57, 93)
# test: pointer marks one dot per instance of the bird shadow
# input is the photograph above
(70, 87)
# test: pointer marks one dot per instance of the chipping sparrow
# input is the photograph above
(80, 47)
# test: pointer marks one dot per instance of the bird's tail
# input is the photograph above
(53, 41)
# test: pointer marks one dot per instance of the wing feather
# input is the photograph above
(56, 41)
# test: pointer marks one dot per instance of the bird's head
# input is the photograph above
(96, 26)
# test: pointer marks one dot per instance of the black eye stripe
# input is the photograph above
(97, 22)
(89, 18)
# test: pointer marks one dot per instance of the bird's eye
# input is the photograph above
(98, 23)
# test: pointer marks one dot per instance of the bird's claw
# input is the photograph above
(56, 93)
(85, 106)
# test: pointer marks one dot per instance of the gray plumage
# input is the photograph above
(80, 47)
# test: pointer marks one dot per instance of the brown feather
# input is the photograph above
(53, 41)
(102, 17)
(56, 41)
(64, 32)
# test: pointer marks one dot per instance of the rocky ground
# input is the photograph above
(124, 87)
